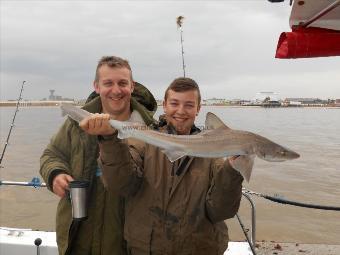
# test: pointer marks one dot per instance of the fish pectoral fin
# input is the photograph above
(244, 164)
(173, 155)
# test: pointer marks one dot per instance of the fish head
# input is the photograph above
(276, 153)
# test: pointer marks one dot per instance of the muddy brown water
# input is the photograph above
(313, 178)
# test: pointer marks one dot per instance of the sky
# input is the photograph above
(229, 48)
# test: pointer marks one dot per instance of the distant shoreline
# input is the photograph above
(285, 107)
(57, 104)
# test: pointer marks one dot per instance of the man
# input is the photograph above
(171, 208)
(72, 155)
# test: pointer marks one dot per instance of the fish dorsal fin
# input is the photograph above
(214, 122)
(136, 117)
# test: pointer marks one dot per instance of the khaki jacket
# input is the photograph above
(166, 213)
(74, 152)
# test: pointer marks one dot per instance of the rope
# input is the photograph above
(294, 203)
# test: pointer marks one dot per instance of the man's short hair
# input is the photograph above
(113, 62)
(183, 84)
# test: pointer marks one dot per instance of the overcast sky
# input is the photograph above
(229, 48)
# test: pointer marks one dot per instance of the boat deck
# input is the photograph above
(277, 248)
(21, 241)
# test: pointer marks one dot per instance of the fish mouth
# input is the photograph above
(288, 155)
(294, 155)
(279, 156)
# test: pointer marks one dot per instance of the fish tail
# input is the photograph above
(74, 112)
(63, 111)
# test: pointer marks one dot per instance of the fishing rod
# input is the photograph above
(12, 124)
(179, 22)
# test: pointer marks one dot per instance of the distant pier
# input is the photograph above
(36, 103)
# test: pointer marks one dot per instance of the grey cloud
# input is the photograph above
(229, 47)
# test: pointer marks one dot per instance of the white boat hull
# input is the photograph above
(16, 241)
(21, 241)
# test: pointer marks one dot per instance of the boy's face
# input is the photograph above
(181, 109)
(115, 87)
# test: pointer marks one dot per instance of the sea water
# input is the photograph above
(313, 178)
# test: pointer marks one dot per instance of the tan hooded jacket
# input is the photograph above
(74, 152)
(167, 213)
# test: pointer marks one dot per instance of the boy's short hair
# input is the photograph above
(113, 62)
(183, 84)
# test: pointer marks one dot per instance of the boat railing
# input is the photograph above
(36, 183)
(253, 217)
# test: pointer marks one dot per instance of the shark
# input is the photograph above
(217, 140)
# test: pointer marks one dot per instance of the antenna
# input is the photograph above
(179, 22)
(12, 124)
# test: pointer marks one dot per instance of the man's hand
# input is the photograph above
(60, 184)
(97, 124)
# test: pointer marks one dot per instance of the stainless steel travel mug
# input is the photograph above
(78, 195)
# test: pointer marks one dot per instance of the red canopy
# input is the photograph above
(308, 42)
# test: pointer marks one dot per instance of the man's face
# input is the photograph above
(181, 109)
(115, 87)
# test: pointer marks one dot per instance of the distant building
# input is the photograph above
(238, 102)
(306, 101)
(287, 103)
(267, 102)
(235, 101)
(245, 102)
(337, 102)
(266, 95)
(215, 101)
(53, 97)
